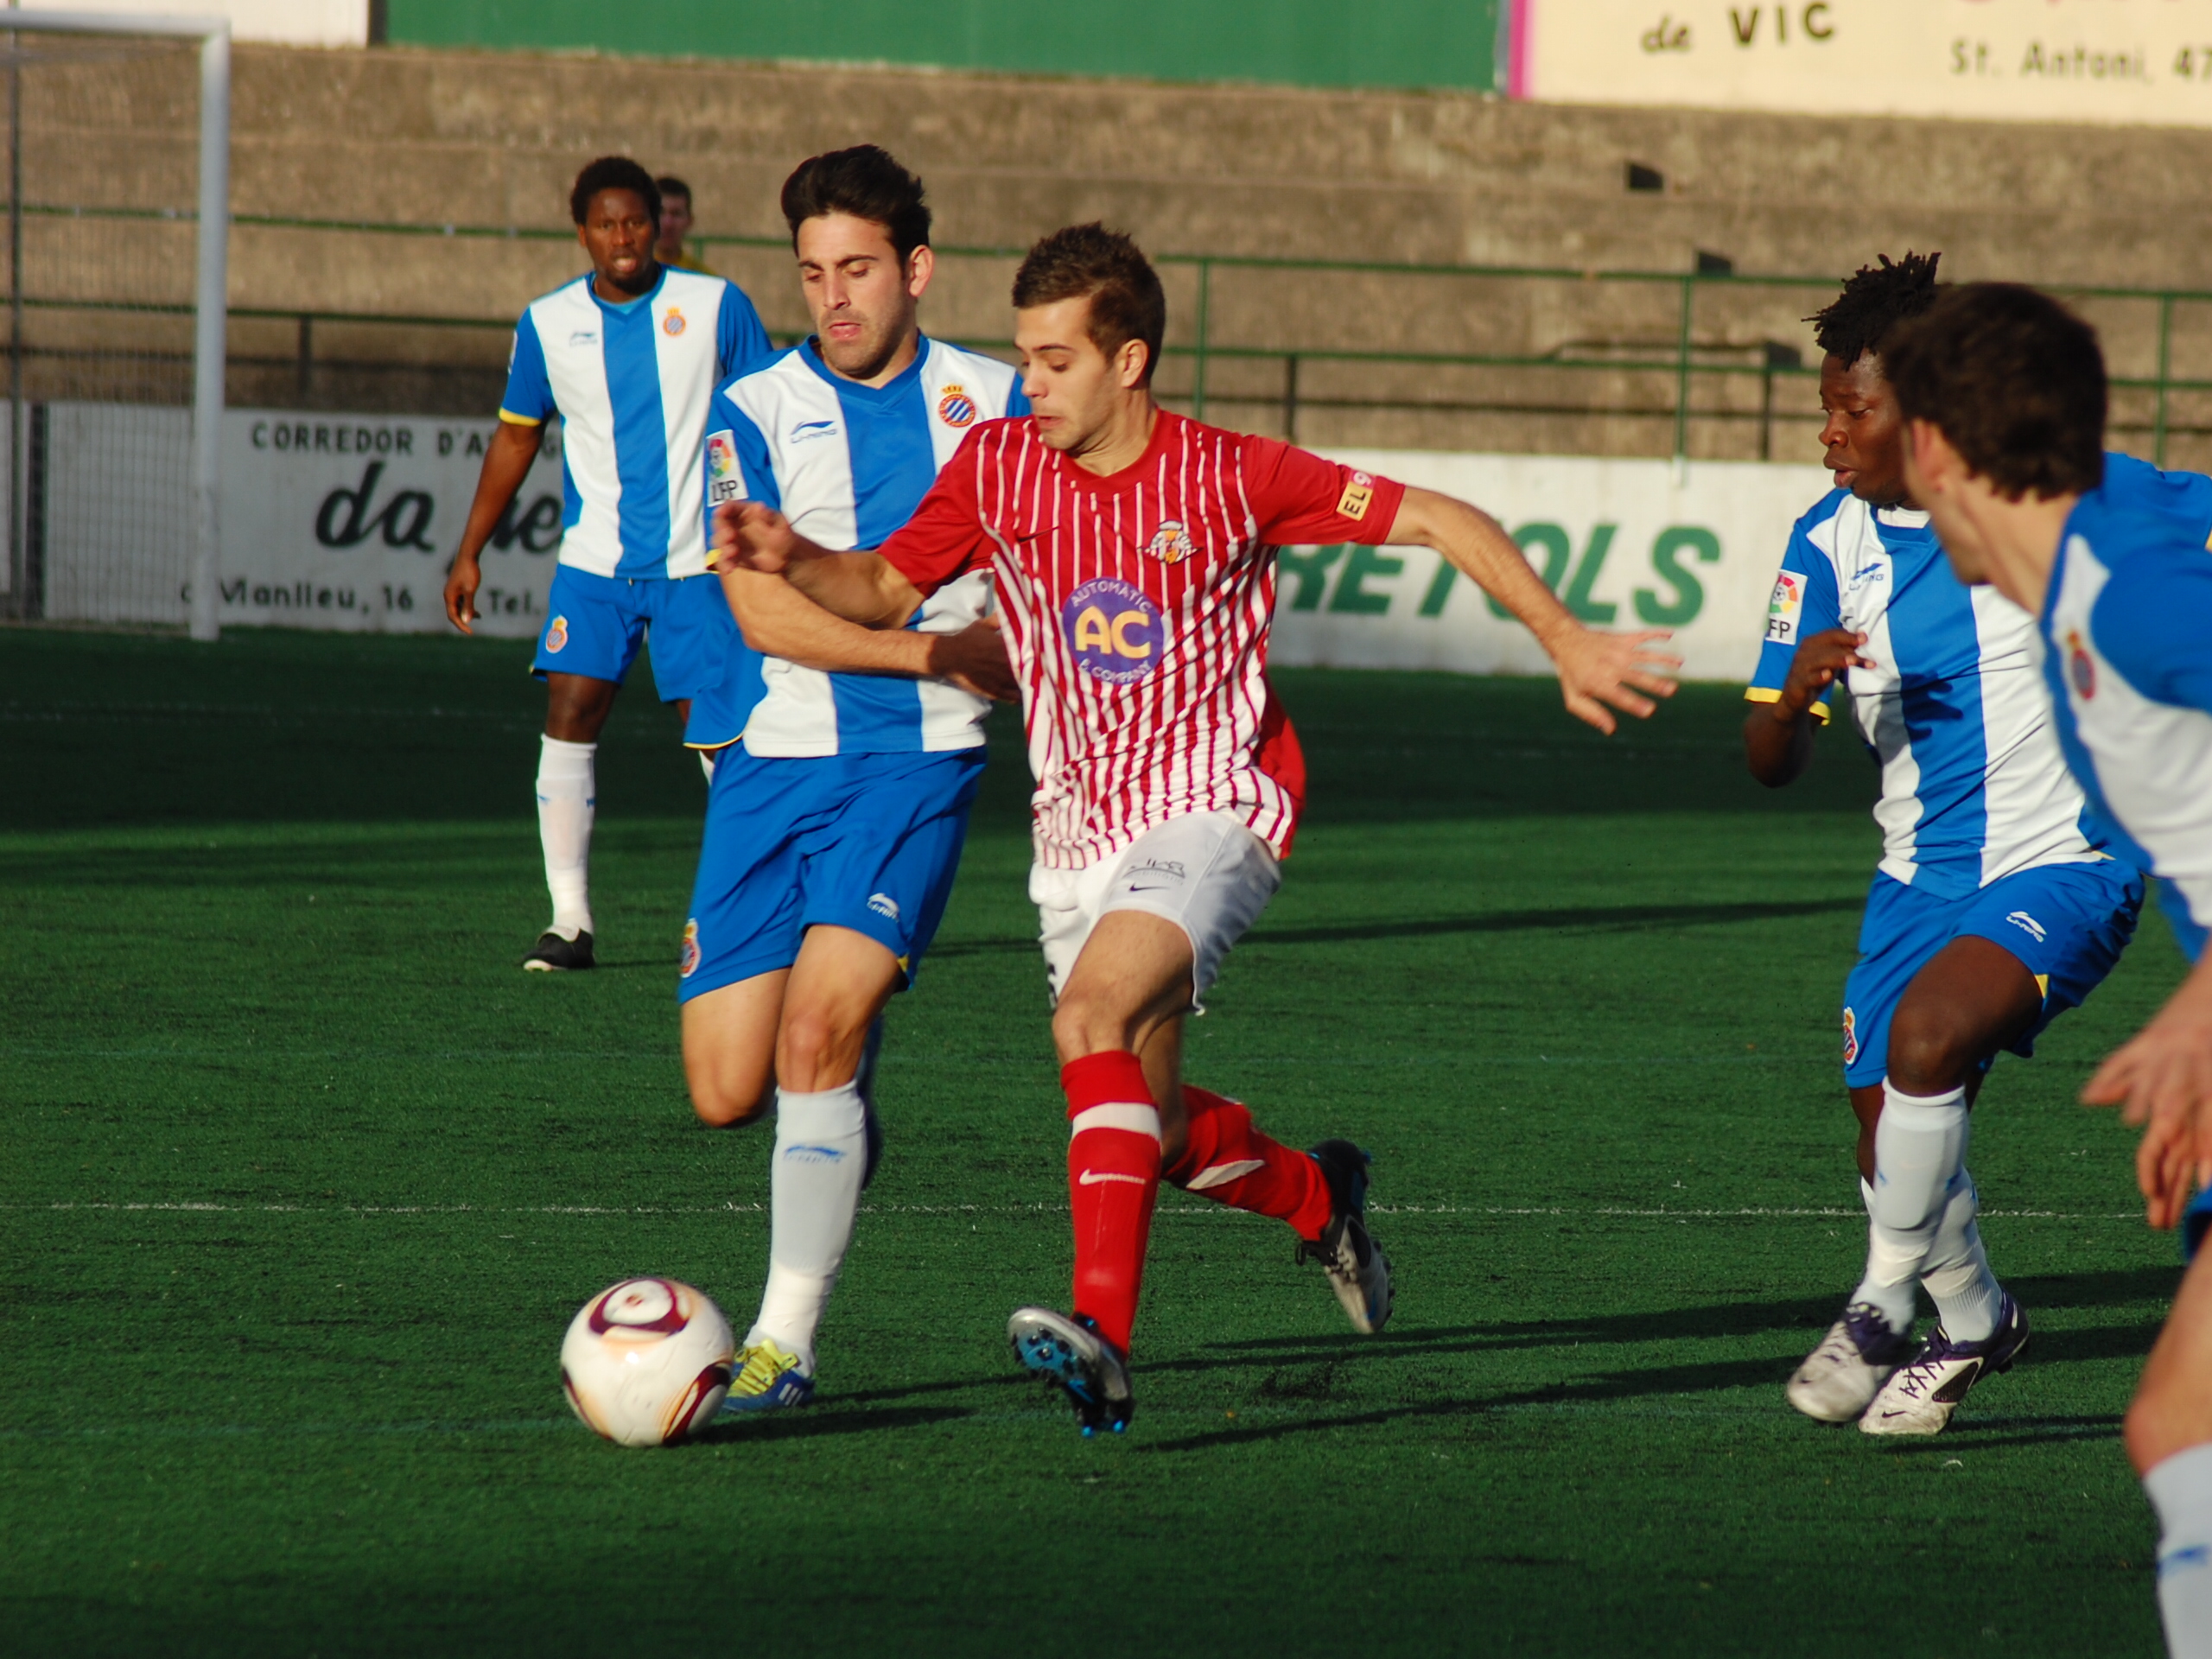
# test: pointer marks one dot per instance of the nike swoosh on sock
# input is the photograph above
(1092, 1177)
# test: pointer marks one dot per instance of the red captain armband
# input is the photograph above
(1281, 757)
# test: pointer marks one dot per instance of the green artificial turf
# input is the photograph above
(301, 1180)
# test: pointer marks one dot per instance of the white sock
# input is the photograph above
(814, 1192)
(2180, 1490)
(1919, 1145)
(1966, 1294)
(566, 795)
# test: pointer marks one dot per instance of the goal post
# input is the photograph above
(200, 600)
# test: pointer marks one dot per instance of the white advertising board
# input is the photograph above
(2122, 61)
(1625, 543)
(349, 522)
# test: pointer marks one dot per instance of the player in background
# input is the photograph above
(1995, 906)
(672, 246)
(2005, 393)
(834, 831)
(1133, 551)
(628, 355)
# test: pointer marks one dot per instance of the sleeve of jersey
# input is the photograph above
(945, 537)
(742, 341)
(1803, 603)
(1300, 499)
(528, 400)
(2153, 623)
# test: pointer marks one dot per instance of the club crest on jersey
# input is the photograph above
(687, 959)
(1116, 633)
(2081, 668)
(1850, 1036)
(1354, 502)
(1171, 543)
(556, 635)
(673, 323)
(956, 407)
(1783, 609)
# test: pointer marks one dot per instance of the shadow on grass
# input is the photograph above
(827, 1420)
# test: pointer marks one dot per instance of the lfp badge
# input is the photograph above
(1114, 632)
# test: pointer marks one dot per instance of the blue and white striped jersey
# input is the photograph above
(2127, 628)
(848, 464)
(632, 383)
(1973, 785)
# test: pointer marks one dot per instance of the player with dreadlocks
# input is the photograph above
(1996, 906)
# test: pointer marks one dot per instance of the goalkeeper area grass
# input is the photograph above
(303, 1179)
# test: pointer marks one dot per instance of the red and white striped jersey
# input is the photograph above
(1136, 609)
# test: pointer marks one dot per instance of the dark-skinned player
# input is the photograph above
(1997, 905)
(628, 355)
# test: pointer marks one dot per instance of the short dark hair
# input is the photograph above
(669, 185)
(1874, 301)
(2014, 380)
(612, 172)
(867, 182)
(1089, 261)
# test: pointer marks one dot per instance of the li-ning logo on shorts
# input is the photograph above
(687, 959)
(672, 324)
(956, 408)
(2081, 668)
(884, 906)
(1171, 543)
(2027, 924)
(556, 635)
(1114, 632)
(1850, 1036)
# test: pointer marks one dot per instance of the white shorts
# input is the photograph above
(1207, 873)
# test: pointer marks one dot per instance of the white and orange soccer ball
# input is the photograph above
(647, 1362)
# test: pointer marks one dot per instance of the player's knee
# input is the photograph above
(727, 1109)
(1084, 1025)
(1929, 1051)
(816, 1049)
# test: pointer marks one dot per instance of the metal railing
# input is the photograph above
(1206, 350)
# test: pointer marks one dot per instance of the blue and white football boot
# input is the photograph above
(769, 1378)
(1359, 1271)
(1839, 1379)
(1072, 1355)
(1921, 1398)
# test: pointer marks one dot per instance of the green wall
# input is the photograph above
(1309, 43)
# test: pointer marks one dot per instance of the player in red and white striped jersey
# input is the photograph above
(1134, 552)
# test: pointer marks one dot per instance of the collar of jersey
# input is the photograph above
(889, 393)
(628, 307)
(1164, 424)
(1919, 521)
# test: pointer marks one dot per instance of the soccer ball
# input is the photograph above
(647, 1360)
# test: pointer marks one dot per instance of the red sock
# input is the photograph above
(1113, 1173)
(1230, 1162)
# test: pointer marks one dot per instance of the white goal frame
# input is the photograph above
(210, 297)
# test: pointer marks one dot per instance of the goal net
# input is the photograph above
(107, 498)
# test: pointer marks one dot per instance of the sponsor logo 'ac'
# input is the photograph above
(1115, 634)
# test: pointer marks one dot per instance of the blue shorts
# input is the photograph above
(595, 625)
(2066, 923)
(867, 841)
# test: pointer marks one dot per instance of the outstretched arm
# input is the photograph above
(779, 620)
(1595, 669)
(861, 587)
